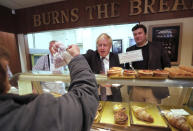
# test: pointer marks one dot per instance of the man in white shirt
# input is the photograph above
(100, 61)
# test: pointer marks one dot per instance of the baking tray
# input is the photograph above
(162, 107)
(153, 111)
(152, 77)
(108, 116)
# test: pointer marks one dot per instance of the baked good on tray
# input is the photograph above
(160, 73)
(120, 117)
(128, 73)
(177, 72)
(142, 114)
(96, 116)
(148, 73)
(100, 107)
(177, 121)
(118, 108)
(190, 120)
(114, 72)
(186, 68)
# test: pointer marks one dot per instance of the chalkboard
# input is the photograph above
(170, 37)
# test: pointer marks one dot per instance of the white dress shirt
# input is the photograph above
(106, 66)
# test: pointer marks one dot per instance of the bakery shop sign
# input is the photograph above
(110, 10)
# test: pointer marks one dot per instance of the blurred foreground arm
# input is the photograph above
(74, 111)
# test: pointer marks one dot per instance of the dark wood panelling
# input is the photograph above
(8, 40)
(25, 19)
(7, 20)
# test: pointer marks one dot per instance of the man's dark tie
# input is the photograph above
(103, 89)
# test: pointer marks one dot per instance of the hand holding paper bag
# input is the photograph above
(64, 55)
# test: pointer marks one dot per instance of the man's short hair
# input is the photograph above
(102, 36)
(140, 26)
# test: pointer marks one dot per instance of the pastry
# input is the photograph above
(96, 116)
(145, 72)
(186, 68)
(114, 72)
(118, 108)
(190, 120)
(177, 72)
(141, 114)
(129, 73)
(160, 73)
(177, 121)
(120, 117)
(99, 107)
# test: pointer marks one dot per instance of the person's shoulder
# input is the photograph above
(90, 51)
(45, 98)
(113, 54)
(130, 48)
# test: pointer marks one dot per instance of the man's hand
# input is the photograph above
(57, 45)
(73, 50)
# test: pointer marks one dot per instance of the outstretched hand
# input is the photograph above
(73, 50)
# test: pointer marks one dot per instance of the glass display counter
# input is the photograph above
(181, 97)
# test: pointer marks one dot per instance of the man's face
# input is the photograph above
(50, 47)
(103, 46)
(139, 36)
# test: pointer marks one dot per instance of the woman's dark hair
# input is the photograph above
(4, 54)
(139, 26)
(3, 75)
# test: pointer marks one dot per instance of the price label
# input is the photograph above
(130, 56)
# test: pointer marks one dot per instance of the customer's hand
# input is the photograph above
(55, 47)
(73, 50)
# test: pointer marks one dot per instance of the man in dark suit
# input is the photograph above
(100, 61)
(154, 57)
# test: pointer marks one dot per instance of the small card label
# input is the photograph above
(131, 56)
(179, 112)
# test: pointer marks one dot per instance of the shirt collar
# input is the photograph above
(143, 45)
(107, 57)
